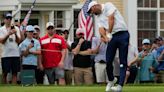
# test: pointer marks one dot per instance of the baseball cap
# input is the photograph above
(30, 28)
(160, 38)
(36, 27)
(90, 5)
(35, 31)
(8, 15)
(49, 24)
(146, 41)
(79, 30)
(65, 31)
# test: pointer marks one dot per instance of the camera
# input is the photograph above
(12, 27)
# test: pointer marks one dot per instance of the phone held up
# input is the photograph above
(32, 42)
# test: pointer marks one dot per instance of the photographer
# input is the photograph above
(82, 62)
(10, 38)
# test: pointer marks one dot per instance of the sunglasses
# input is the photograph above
(34, 33)
(30, 31)
(8, 18)
(80, 34)
(146, 44)
(50, 27)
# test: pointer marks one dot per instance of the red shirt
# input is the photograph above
(51, 50)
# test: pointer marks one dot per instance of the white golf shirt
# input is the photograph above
(119, 23)
(10, 47)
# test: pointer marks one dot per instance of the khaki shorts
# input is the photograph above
(83, 76)
(101, 74)
(68, 74)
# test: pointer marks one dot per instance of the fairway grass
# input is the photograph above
(129, 88)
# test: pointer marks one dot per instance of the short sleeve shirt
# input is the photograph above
(119, 23)
(82, 61)
(51, 50)
(30, 59)
(10, 47)
(101, 55)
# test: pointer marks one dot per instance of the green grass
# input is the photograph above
(95, 88)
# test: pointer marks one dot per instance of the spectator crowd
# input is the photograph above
(56, 59)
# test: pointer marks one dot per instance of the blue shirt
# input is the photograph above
(30, 59)
(147, 62)
(101, 55)
(161, 63)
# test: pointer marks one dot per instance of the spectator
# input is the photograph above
(10, 38)
(131, 72)
(81, 62)
(161, 42)
(160, 68)
(68, 62)
(53, 54)
(30, 49)
(99, 47)
(39, 71)
(147, 63)
(37, 32)
(156, 44)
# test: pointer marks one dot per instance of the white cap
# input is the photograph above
(8, 15)
(35, 31)
(80, 30)
(36, 26)
(91, 4)
(146, 41)
(30, 28)
(49, 24)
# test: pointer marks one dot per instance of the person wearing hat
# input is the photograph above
(37, 32)
(35, 35)
(156, 44)
(68, 62)
(160, 58)
(39, 71)
(113, 30)
(147, 63)
(161, 41)
(10, 38)
(81, 61)
(65, 33)
(30, 49)
(53, 54)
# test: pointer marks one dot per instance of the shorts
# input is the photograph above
(101, 74)
(83, 76)
(10, 64)
(54, 73)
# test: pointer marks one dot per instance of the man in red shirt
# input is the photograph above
(53, 53)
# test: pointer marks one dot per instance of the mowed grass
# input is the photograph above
(127, 88)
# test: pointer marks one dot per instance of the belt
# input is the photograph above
(120, 32)
(102, 62)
